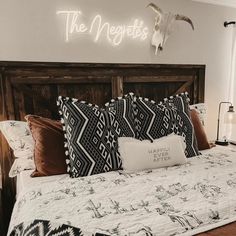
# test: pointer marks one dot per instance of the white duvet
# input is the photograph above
(181, 200)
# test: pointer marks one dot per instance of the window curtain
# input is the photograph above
(232, 84)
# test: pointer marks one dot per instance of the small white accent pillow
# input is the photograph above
(19, 138)
(139, 155)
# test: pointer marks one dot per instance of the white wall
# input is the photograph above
(31, 31)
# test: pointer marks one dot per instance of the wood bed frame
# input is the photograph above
(32, 88)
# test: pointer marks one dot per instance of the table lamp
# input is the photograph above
(230, 118)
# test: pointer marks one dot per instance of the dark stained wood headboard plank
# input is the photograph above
(33, 87)
(6, 155)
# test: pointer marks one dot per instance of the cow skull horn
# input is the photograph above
(184, 18)
(159, 13)
(155, 8)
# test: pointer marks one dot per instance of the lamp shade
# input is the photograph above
(230, 118)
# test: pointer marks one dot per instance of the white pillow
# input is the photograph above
(19, 165)
(201, 108)
(19, 138)
(139, 155)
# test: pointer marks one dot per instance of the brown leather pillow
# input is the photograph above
(49, 153)
(199, 131)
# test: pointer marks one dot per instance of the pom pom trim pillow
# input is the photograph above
(186, 128)
(91, 135)
(122, 108)
(155, 120)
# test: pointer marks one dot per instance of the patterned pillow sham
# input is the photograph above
(122, 108)
(91, 137)
(154, 120)
(21, 164)
(20, 140)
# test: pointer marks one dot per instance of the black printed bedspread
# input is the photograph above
(181, 200)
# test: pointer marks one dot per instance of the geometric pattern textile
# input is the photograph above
(154, 120)
(122, 108)
(179, 200)
(181, 103)
(44, 227)
(91, 135)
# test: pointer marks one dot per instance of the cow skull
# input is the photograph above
(163, 26)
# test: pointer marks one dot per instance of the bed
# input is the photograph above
(100, 203)
(33, 87)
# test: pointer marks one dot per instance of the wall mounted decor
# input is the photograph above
(163, 26)
(99, 29)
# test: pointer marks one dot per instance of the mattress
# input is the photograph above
(180, 200)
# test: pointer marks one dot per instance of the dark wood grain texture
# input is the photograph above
(228, 230)
(33, 87)
(1, 214)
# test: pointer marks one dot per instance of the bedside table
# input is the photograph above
(233, 145)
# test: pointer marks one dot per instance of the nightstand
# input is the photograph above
(232, 145)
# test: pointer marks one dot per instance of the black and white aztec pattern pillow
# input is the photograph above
(45, 227)
(181, 102)
(91, 137)
(122, 108)
(155, 120)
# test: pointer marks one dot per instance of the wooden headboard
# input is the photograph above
(32, 88)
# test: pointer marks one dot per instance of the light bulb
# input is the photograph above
(230, 116)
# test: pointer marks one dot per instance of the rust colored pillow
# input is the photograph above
(49, 153)
(199, 131)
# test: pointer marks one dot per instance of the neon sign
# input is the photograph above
(97, 28)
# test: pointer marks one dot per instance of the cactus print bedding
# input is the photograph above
(179, 200)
